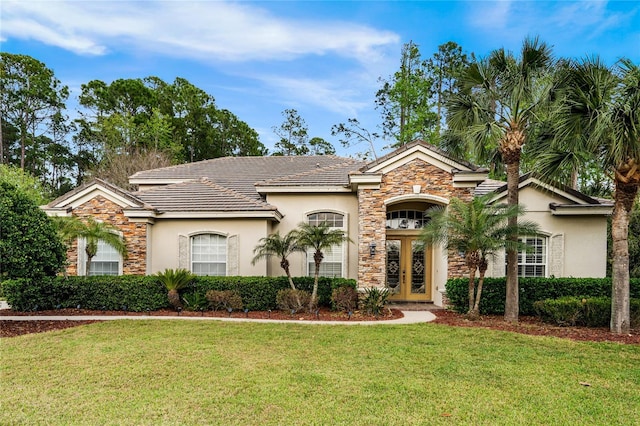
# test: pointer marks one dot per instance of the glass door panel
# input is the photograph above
(418, 268)
(394, 266)
(408, 272)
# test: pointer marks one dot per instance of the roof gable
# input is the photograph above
(424, 151)
(90, 190)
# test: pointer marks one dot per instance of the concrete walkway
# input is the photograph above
(410, 317)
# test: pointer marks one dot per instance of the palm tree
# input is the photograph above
(276, 245)
(496, 109)
(477, 229)
(318, 238)
(92, 231)
(600, 114)
(175, 280)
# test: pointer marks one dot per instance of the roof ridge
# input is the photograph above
(317, 169)
(205, 180)
(110, 186)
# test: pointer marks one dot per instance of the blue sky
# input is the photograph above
(322, 58)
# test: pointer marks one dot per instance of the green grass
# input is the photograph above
(183, 372)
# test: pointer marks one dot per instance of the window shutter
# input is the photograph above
(232, 256)
(183, 252)
(556, 255)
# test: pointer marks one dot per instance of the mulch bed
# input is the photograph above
(526, 325)
(534, 326)
(16, 328)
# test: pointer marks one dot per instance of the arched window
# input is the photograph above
(406, 219)
(332, 263)
(209, 254)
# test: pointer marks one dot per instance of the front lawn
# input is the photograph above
(183, 372)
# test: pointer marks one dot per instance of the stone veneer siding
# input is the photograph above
(372, 215)
(135, 234)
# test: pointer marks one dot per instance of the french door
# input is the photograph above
(408, 273)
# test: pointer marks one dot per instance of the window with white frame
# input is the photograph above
(209, 254)
(533, 261)
(106, 261)
(333, 259)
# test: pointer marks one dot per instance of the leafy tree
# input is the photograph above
(92, 231)
(497, 107)
(133, 116)
(445, 69)
(405, 100)
(318, 238)
(293, 134)
(29, 245)
(478, 229)
(319, 146)
(353, 133)
(599, 113)
(30, 97)
(280, 246)
(24, 182)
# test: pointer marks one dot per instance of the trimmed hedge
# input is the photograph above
(140, 293)
(130, 292)
(259, 293)
(531, 290)
(590, 312)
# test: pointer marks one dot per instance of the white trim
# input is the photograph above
(89, 193)
(546, 186)
(262, 189)
(580, 210)
(366, 178)
(418, 152)
(416, 197)
(273, 214)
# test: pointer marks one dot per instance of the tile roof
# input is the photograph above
(199, 196)
(242, 173)
(135, 201)
(427, 145)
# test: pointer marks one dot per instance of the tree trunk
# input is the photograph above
(284, 263)
(472, 287)
(482, 269)
(511, 306)
(624, 197)
(317, 257)
(88, 265)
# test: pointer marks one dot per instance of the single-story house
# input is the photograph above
(208, 217)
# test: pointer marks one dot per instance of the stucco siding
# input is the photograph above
(295, 207)
(576, 245)
(165, 244)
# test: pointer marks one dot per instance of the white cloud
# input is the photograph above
(197, 29)
(491, 15)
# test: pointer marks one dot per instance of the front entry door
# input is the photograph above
(408, 269)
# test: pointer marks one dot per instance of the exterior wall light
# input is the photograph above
(372, 248)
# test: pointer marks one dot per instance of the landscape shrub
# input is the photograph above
(195, 302)
(531, 290)
(583, 311)
(566, 311)
(374, 300)
(141, 293)
(127, 292)
(224, 299)
(344, 299)
(293, 301)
